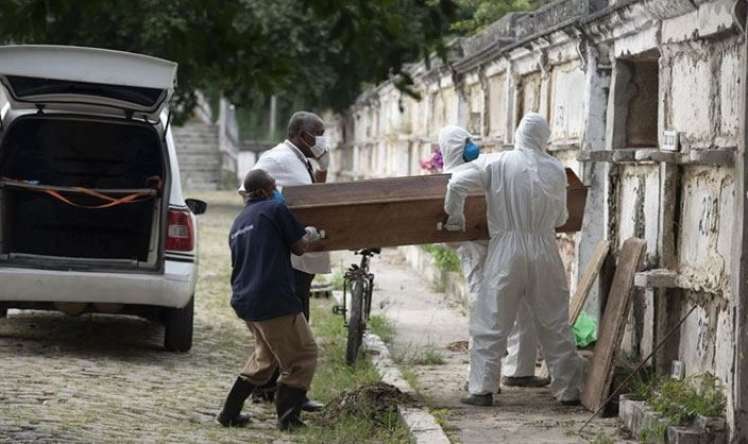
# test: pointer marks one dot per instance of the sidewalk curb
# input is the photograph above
(422, 425)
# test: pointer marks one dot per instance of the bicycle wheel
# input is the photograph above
(356, 323)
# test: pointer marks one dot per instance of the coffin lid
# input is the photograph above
(393, 189)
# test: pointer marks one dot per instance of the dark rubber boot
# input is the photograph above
(266, 392)
(479, 400)
(288, 402)
(311, 405)
(230, 415)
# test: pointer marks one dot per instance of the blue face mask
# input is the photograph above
(470, 152)
(278, 197)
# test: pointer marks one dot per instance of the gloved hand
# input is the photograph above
(324, 161)
(455, 223)
(312, 234)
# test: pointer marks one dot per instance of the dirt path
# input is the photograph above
(107, 379)
(425, 320)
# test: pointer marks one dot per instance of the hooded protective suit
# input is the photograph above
(526, 200)
(522, 345)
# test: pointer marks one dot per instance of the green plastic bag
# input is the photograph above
(585, 330)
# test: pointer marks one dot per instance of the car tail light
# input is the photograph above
(180, 234)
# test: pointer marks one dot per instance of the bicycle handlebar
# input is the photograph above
(369, 251)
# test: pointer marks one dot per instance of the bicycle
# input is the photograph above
(360, 283)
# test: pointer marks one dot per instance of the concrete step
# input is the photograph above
(199, 157)
(186, 138)
(189, 143)
(198, 128)
(199, 166)
(207, 174)
(202, 186)
(207, 159)
(188, 185)
(200, 176)
(196, 138)
(199, 154)
(199, 141)
(197, 148)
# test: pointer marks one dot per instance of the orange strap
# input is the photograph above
(112, 202)
(139, 196)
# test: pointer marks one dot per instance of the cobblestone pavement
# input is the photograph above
(100, 378)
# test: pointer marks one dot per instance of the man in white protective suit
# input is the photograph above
(526, 200)
(461, 154)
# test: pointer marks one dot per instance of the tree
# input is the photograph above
(477, 14)
(319, 51)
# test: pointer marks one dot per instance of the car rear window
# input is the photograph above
(24, 87)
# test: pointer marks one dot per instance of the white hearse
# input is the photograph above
(92, 217)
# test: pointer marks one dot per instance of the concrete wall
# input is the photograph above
(610, 83)
(245, 162)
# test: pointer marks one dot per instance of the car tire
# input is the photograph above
(3, 311)
(178, 327)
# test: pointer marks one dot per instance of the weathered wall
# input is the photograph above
(610, 84)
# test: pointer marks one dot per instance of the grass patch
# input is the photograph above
(338, 280)
(333, 377)
(601, 438)
(679, 401)
(382, 327)
(349, 429)
(444, 257)
(427, 356)
(410, 376)
(642, 385)
(654, 434)
(440, 415)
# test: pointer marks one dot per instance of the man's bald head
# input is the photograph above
(258, 183)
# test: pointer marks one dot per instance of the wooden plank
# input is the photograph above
(399, 211)
(597, 386)
(588, 278)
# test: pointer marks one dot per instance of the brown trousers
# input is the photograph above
(288, 341)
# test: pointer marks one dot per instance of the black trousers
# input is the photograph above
(302, 287)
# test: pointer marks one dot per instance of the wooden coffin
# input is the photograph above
(399, 211)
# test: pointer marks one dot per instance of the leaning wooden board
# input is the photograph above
(600, 375)
(589, 276)
(398, 211)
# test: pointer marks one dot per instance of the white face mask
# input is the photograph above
(320, 146)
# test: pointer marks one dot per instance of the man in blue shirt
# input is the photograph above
(262, 239)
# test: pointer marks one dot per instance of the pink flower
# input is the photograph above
(433, 164)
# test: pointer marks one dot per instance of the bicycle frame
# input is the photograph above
(360, 283)
(355, 273)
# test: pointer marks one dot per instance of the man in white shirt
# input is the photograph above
(290, 164)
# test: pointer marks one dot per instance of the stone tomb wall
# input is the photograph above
(610, 82)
